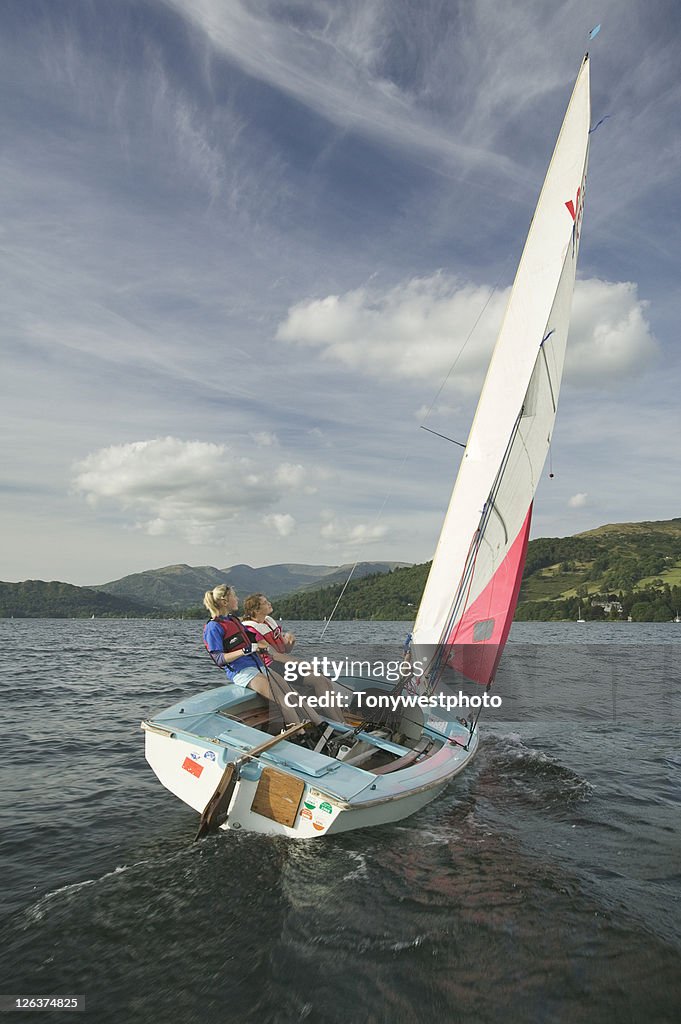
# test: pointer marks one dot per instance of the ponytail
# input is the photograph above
(211, 598)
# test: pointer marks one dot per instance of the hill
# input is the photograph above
(168, 587)
(637, 565)
(180, 586)
(54, 600)
(614, 571)
(393, 595)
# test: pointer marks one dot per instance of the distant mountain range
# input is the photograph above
(182, 586)
(171, 589)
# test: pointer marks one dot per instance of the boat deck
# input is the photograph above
(218, 720)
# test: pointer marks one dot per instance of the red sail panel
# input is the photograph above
(478, 639)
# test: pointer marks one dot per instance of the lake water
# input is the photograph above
(544, 885)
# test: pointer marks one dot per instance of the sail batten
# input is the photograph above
(473, 586)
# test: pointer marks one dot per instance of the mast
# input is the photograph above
(472, 589)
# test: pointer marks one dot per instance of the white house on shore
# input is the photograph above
(608, 606)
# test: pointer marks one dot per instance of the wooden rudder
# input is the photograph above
(278, 797)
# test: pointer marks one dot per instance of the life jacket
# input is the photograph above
(272, 635)
(235, 637)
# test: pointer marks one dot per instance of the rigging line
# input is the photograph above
(409, 453)
(340, 597)
(377, 518)
(548, 376)
(475, 721)
(529, 461)
(467, 339)
(443, 436)
(438, 667)
(501, 518)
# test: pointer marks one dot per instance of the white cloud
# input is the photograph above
(289, 476)
(578, 500)
(420, 329)
(281, 522)
(610, 338)
(414, 330)
(318, 435)
(265, 439)
(190, 488)
(439, 408)
(339, 531)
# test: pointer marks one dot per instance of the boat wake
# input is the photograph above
(361, 870)
(65, 896)
(530, 776)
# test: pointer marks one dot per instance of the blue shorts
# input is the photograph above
(244, 676)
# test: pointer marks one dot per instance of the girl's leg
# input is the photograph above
(321, 685)
(261, 685)
(276, 695)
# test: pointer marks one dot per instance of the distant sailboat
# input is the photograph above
(580, 619)
(677, 618)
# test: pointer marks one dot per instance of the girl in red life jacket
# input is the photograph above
(229, 644)
(258, 621)
(260, 624)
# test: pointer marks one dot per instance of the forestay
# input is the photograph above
(472, 590)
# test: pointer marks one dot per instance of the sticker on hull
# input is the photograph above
(192, 767)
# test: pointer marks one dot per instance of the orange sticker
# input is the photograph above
(192, 767)
(305, 813)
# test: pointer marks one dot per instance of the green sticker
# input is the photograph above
(310, 805)
(326, 807)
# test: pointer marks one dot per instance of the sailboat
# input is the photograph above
(213, 750)
(579, 615)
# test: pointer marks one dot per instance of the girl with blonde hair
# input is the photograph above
(229, 644)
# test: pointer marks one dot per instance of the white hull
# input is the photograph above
(335, 798)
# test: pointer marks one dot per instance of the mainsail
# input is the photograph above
(472, 590)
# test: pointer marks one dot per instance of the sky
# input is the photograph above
(251, 248)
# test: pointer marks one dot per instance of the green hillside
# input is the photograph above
(173, 586)
(636, 564)
(40, 600)
(393, 595)
(615, 571)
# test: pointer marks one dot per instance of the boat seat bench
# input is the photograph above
(420, 750)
